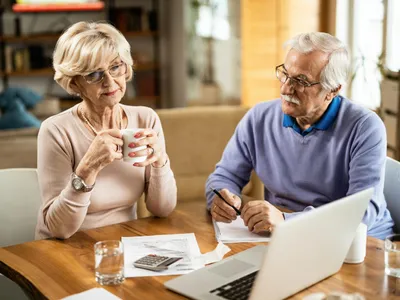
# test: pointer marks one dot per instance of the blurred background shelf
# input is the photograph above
(52, 37)
(149, 101)
(49, 71)
(26, 45)
(58, 7)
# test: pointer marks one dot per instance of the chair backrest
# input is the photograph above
(196, 138)
(392, 190)
(20, 201)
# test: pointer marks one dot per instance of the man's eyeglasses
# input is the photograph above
(116, 70)
(297, 83)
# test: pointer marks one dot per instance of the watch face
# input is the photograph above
(77, 183)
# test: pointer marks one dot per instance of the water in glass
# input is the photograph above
(109, 262)
(392, 255)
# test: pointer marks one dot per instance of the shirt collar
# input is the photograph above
(324, 123)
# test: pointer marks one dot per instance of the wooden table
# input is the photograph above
(58, 268)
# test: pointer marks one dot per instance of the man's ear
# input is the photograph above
(333, 93)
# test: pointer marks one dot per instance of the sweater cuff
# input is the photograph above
(158, 172)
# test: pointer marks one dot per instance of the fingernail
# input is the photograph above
(136, 164)
(137, 135)
(131, 145)
(131, 154)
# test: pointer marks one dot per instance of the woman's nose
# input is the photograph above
(107, 79)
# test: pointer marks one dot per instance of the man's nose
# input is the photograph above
(287, 87)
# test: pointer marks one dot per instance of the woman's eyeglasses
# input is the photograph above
(98, 76)
(297, 83)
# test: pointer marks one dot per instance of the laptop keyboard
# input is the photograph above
(238, 289)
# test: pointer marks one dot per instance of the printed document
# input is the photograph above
(173, 245)
(237, 232)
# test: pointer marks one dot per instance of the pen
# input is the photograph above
(220, 196)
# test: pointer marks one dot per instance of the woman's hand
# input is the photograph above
(105, 148)
(155, 151)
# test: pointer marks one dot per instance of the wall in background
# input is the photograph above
(266, 25)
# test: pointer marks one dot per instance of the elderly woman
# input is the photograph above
(84, 182)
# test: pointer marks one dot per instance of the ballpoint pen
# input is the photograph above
(220, 196)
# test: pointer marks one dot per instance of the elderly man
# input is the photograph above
(310, 147)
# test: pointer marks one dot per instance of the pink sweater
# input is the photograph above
(62, 142)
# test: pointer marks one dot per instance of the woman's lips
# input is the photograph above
(111, 93)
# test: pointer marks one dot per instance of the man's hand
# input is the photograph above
(222, 212)
(260, 215)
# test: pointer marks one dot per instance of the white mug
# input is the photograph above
(128, 136)
(358, 248)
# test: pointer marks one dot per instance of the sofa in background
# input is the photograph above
(195, 139)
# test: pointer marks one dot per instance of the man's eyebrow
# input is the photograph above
(300, 76)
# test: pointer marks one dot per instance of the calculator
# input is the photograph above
(155, 262)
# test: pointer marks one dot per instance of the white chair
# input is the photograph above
(392, 190)
(20, 201)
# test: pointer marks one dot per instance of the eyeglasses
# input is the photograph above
(297, 83)
(116, 70)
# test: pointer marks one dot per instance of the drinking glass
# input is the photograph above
(392, 255)
(109, 262)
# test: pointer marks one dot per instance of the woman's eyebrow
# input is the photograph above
(115, 60)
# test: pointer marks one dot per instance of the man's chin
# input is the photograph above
(289, 108)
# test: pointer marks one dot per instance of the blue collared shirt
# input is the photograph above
(324, 123)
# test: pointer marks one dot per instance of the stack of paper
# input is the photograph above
(237, 232)
(174, 245)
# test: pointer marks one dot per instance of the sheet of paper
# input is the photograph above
(237, 232)
(95, 293)
(174, 245)
(213, 256)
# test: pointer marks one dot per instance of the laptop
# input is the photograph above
(302, 251)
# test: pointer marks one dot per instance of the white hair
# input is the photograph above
(84, 46)
(335, 73)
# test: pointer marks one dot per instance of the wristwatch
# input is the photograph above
(79, 184)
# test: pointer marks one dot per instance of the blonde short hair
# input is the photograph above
(83, 46)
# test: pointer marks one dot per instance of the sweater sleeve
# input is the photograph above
(366, 167)
(160, 189)
(233, 171)
(63, 208)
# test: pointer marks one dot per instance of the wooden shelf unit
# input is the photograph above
(52, 37)
(50, 71)
(58, 7)
(150, 101)
(11, 68)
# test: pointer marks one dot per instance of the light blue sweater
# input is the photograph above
(303, 171)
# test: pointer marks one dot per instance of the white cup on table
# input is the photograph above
(358, 248)
(128, 136)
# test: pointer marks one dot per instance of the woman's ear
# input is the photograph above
(74, 86)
